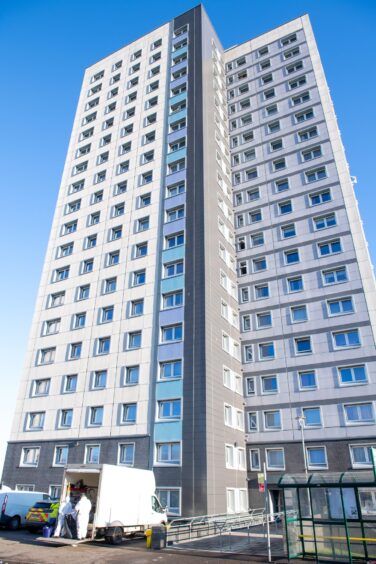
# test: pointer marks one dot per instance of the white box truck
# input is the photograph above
(14, 505)
(123, 499)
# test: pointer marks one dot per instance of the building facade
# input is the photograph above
(207, 288)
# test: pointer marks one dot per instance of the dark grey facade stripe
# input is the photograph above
(194, 465)
(313, 365)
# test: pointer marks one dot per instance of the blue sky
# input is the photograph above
(47, 44)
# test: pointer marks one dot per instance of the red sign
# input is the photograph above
(261, 488)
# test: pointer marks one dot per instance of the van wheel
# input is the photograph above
(14, 523)
(116, 537)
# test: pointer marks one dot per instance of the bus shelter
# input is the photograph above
(330, 517)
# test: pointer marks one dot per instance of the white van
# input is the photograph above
(14, 506)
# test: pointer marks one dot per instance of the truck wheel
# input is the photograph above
(116, 537)
(14, 523)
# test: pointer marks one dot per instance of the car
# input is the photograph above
(40, 514)
(14, 506)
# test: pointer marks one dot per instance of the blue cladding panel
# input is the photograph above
(174, 201)
(176, 177)
(177, 116)
(176, 253)
(164, 432)
(179, 38)
(174, 227)
(171, 316)
(176, 155)
(179, 52)
(178, 98)
(166, 390)
(173, 283)
(177, 135)
(170, 351)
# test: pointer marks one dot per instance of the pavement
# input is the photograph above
(21, 547)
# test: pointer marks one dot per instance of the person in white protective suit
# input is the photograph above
(65, 507)
(82, 509)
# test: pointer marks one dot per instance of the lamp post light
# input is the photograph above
(301, 419)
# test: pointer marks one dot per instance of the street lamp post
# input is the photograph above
(300, 419)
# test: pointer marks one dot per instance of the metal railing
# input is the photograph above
(185, 529)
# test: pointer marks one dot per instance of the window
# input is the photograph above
(312, 416)
(361, 456)
(134, 340)
(174, 240)
(168, 453)
(96, 416)
(109, 286)
(330, 247)
(169, 409)
(299, 313)
(335, 276)
(279, 164)
(350, 375)
(295, 284)
(30, 456)
(51, 326)
(175, 189)
(87, 266)
(303, 345)
(288, 40)
(103, 345)
(291, 53)
(250, 386)
(47, 356)
(285, 207)
(170, 369)
(301, 99)
(274, 127)
(175, 213)
(269, 384)
(92, 454)
(255, 215)
(291, 257)
(41, 387)
(246, 322)
(312, 153)
(113, 258)
(65, 250)
(66, 417)
(97, 197)
(99, 379)
(259, 264)
(359, 413)
(276, 145)
(139, 278)
(266, 351)
(56, 299)
(340, 306)
(252, 421)
(261, 291)
(248, 353)
(316, 458)
(126, 454)
(254, 458)
(137, 307)
(288, 231)
(172, 299)
(173, 268)
(61, 455)
(70, 383)
(282, 185)
(145, 200)
(61, 274)
(297, 82)
(91, 242)
(307, 380)
(170, 498)
(79, 320)
(324, 221)
(271, 110)
(35, 420)
(316, 174)
(25, 487)
(275, 458)
(171, 333)
(132, 375)
(119, 209)
(346, 339)
(94, 218)
(257, 239)
(268, 94)
(129, 413)
(264, 319)
(143, 224)
(83, 292)
(294, 67)
(107, 314)
(272, 419)
(75, 351)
